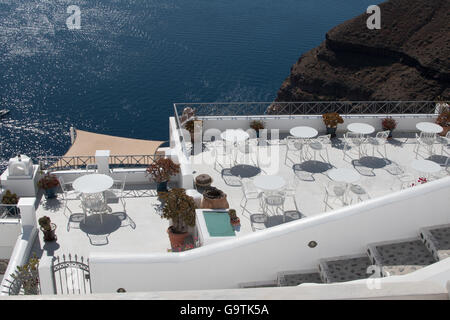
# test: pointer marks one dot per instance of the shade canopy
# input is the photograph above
(87, 143)
(122, 150)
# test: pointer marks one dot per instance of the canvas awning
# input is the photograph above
(125, 150)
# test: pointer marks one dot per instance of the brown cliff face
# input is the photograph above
(407, 59)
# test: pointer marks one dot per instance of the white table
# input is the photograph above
(234, 135)
(361, 128)
(303, 132)
(269, 182)
(429, 127)
(93, 183)
(425, 166)
(344, 175)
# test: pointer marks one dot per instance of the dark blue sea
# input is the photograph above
(132, 59)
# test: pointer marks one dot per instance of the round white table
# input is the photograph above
(344, 175)
(234, 135)
(269, 182)
(425, 166)
(93, 183)
(303, 132)
(429, 127)
(361, 128)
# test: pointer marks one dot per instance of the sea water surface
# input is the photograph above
(132, 59)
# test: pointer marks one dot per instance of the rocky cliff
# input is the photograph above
(407, 59)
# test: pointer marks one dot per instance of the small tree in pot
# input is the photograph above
(257, 125)
(161, 170)
(48, 228)
(180, 208)
(389, 124)
(214, 198)
(331, 120)
(49, 182)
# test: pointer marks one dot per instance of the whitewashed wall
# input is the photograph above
(405, 122)
(259, 256)
(9, 231)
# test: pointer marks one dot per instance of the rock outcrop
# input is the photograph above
(407, 59)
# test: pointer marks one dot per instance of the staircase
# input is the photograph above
(381, 259)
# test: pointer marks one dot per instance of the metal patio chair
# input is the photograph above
(379, 141)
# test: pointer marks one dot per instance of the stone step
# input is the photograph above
(259, 284)
(400, 257)
(295, 278)
(437, 240)
(345, 268)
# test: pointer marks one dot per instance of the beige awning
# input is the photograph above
(125, 150)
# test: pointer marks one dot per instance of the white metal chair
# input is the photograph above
(444, 171)
(290, 190)
(379, 140)
(246, 150)
(334, 191)
(294, 145)
(224, 154)
(117, 191)
(360, 193)
(353, 140)
(94, 203)
(249, 192)
(404, 178)
(443, 141)
(68, 193)
(425, 140)
(320, 143)
(91, 168)
(274, 204)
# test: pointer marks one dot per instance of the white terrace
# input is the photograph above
(139, 228)
(129, 249)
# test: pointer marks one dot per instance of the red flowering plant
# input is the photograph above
(421, 180)
(48, 181)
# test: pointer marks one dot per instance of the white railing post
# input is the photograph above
(72, 134)
(46, 275)
(27, 212)
(102, 161)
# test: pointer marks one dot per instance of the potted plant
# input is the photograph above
(214, 198)
(161, 170)
(48, 228)
(180, 209)
(49, 182)
(11, 199)
(331, 120)
(389, 124)
(234, 220)
(257, 125)
(28, 276)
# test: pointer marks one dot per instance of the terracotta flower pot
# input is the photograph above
(49, 235)
(176, 239)
(219, 203)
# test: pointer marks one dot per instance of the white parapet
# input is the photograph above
(102, 161)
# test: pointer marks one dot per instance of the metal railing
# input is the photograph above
(9, 211)
(304, 108)
(57, 163)
(217, 110)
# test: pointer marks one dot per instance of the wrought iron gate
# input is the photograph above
(71, 275)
